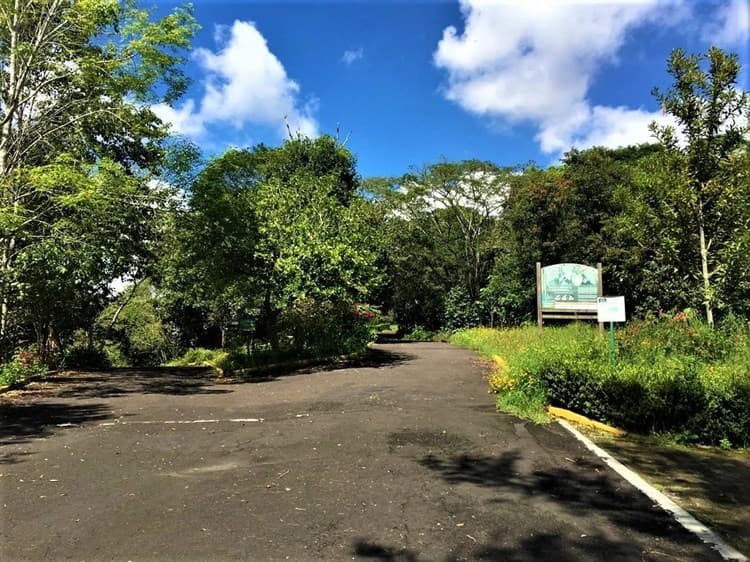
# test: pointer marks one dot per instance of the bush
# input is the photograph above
(460, 310)
(24, 365)
(313, 328)
(85, 357)
(674, 375)
(219, 359)
(418, 333)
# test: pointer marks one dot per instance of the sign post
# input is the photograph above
(611, 309)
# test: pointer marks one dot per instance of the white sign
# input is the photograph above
(610, 309)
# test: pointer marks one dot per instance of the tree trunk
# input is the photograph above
(9, 98)
(707, 297)
(123, 304)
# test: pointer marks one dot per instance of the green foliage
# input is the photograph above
(528, 403)
(218, 359)
(324, 328)
(85, 357)
(713, 115)
(268, 228)
(307, 330)
(23, 365)
(79, 200)
(673, 375)
(440, 230)
(135, 325)
(460, 310)
(418, 333)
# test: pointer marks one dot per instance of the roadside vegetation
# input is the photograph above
(673, 375)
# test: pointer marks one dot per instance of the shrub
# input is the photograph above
(674, 375)
(418, 333)
(24, 365)
(85, 357)
(324, 328)
(218, 359)
(460, 311)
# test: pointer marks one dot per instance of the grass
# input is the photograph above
(674, 375)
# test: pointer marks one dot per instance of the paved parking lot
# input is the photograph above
(399, 456)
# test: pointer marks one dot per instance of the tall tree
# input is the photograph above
(269, 227)
(441, 223)
(713, 115)
(76, 78)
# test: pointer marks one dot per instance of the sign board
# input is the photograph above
(570, 287)
(246, 324)
(610, 309)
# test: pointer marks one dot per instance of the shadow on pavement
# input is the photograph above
(366, 549)
(543, 546)
(23, 422)
(711, 484)
(370, 359)
(119, 382)
(583, 488)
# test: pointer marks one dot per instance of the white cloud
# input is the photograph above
(535, 62)
(618, 126)
(245, 84)
(184, 120)
(350, 56)
(731, 27)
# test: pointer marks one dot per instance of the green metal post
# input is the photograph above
(612, 358)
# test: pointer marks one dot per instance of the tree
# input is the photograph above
(713, 117)
(76, 81)
(208, 258)
(267, 228)
(440, 225)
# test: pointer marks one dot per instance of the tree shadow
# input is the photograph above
(23, 422)
(711, 474)
(370, 359)
(179, 381)
(713, 484)
(367, 549)
(542, 546)
(584, 486)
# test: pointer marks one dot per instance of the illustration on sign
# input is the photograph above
(569, 286)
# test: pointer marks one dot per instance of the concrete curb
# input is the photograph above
(680, 515)
(583, 420)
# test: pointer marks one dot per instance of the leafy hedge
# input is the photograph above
(307, 330)
(673, 375)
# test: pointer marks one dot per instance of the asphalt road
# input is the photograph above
(400, 457)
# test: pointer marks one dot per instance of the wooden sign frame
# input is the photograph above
(562, 313)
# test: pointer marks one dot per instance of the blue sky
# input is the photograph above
(410, 82)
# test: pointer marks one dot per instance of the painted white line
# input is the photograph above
(179, 422)
(680, 515)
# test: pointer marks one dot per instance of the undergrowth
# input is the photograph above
(674, 375)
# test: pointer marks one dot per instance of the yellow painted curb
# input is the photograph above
(583, 420)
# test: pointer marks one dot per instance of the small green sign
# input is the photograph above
(247, 324)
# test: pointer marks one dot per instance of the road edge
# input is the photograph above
(680, 515)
